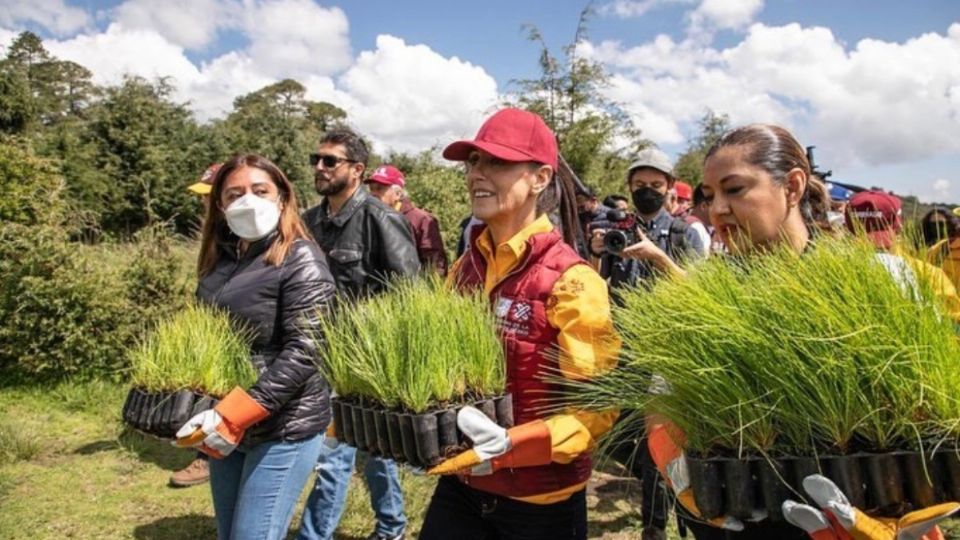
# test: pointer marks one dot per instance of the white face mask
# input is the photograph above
(251, 217)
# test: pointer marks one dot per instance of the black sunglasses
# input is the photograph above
(328, 161)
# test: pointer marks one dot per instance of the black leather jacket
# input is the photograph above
(366, 243)
(279, 304)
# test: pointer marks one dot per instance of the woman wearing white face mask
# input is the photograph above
(258, 262)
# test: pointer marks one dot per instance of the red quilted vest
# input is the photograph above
(520, 301)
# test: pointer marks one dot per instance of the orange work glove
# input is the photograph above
(496, 448)
(217, 432)
(839, 520)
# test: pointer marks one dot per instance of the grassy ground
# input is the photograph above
(69, 470)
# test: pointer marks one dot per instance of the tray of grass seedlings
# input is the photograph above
(403, 363)
(189, 361)
(838, 361)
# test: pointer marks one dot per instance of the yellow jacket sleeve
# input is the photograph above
(941, 283)
(579, 307)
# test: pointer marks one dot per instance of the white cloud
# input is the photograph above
(941, 189)
(627, 9)
(54, 15)
(408, 97)
(724, 15)
(297, 38)
(191, 24)
(877, 102)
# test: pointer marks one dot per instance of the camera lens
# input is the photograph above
(615, 241)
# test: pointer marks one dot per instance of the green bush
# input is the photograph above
(70, 309)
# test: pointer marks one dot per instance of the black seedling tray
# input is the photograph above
(161, 414)
(421, 440)
(888, 484)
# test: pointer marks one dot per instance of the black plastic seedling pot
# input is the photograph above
(845, 473)
(408, 440)
(951, 471)
(359, 435)
(370, 431)
(707, 483)
(884, 482)
(394, 436)
(346, 410)
(426, 438)
(447, 435)
(919, 474)
(383, 437)
(738, 488)
(162, 414)
(774, 488)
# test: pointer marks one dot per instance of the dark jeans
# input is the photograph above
(464, 513)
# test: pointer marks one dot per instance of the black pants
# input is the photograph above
(461, 512)
(635, 456)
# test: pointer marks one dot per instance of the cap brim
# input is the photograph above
(460, 151)
(200, 188)
(882, 239)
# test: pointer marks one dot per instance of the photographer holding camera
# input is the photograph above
(633, 250)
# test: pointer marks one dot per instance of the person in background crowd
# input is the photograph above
(618, 202)
(198, 471)
(529, 481)
(879, 216)
(670, 202)
(368, 244)
(839, 198)
(664, 241)
(699, 220)
(684, 198)
(589, 209)
(941, 236)
(258, 263)
(388, 184)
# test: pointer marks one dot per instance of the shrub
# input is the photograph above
(196, 349)
(415, 346)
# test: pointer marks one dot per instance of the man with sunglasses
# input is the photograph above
(367, 244)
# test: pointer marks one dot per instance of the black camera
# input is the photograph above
(621, 227)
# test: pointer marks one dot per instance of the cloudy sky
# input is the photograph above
(875, 85)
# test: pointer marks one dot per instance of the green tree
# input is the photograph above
(147, 149)
(711, 126)
(279, 123)
(596, 135)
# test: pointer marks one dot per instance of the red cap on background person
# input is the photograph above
(684, 191)
(205, 184)
(387, 175)
(511, 135)
(878, 213)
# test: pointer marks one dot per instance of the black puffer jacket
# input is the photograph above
(366, 242)
(279, 304)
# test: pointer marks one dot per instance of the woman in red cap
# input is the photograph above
(553, 314)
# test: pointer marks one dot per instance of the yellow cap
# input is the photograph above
(200, 188)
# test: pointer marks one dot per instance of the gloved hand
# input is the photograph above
(672, 464)
(838, 520)
(496, 448)
(216, 432)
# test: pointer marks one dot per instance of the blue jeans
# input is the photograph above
(255, 490)
(325, 504)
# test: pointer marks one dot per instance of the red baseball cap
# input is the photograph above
(205, 185)
(511, 135)
(684, 191)
(879, 214)
(387, 175)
